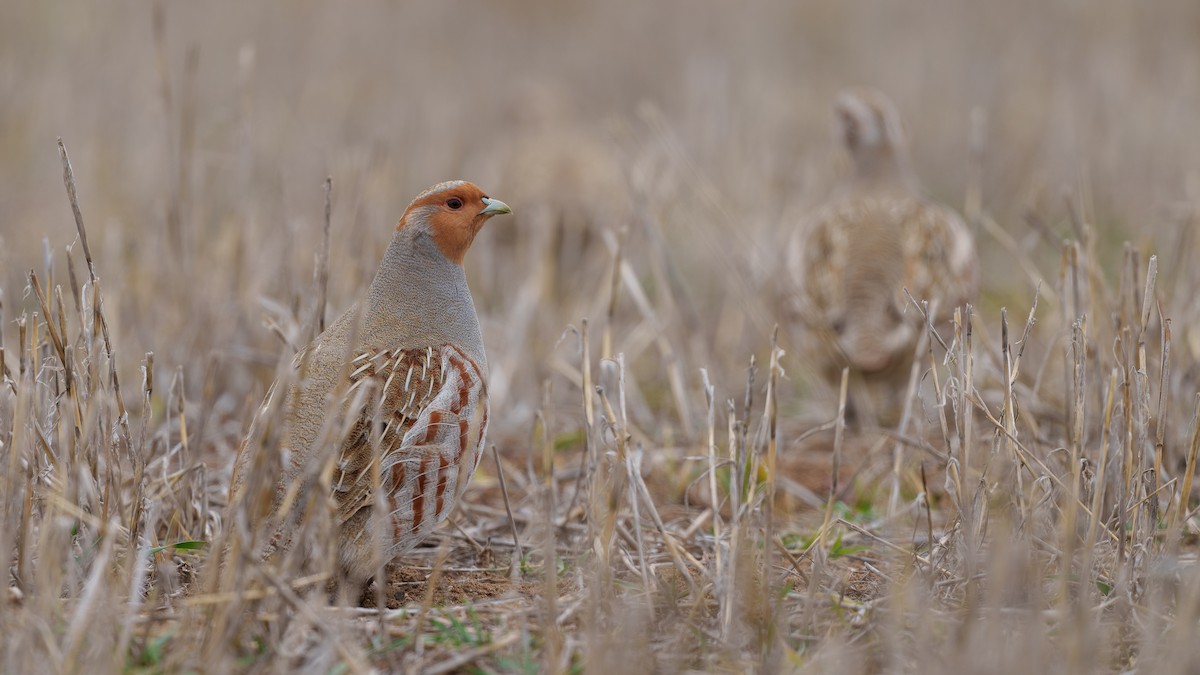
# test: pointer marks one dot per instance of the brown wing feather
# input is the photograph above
(398, 384)
(424, 423)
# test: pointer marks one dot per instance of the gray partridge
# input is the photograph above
(391, 401)
(877, 235)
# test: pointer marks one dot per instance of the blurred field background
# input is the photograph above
(679, 143)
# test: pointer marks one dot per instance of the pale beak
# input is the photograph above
(494, 207)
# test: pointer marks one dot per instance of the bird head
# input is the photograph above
(869, 126)
(452, 213)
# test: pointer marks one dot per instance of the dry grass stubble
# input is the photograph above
(671, 488)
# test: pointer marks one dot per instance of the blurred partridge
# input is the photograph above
(877, 235)
(413, 407)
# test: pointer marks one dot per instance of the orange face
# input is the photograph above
(454, 212)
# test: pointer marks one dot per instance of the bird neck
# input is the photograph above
(884, 168)
(422, 298)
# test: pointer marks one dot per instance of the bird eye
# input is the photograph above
(454, 203)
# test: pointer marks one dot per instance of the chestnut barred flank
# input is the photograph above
(424, 423)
